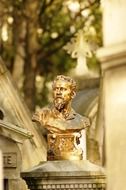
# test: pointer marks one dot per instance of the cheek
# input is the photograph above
(67, 95)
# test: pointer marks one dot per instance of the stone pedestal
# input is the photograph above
(65, 175)
(64, 146)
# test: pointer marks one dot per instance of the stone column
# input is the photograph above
(113, 64)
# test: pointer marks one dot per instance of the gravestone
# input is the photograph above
(113, 91)
(11, 141)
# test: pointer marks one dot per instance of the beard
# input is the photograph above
(59, 103)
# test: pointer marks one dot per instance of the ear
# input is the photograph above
(73, 94)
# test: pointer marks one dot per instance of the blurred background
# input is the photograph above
(41, 39)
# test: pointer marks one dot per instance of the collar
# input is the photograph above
(66, 115)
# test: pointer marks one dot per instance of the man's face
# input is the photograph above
(61, 94)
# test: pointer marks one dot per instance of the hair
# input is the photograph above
(66, 79)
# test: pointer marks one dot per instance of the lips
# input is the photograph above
(58, 97)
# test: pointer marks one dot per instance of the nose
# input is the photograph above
(58, 91)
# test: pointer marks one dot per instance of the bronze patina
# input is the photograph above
(64, 125)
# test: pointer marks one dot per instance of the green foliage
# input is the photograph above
(50, 24)
(93, 64)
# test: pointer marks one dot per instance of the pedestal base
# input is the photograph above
(65, 175)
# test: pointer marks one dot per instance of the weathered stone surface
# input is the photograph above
(114, 27)
(113, 91)
(16, 112)
(62, 167)
(65, 175)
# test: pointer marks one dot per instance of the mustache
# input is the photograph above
(59, 100)
(58, 96)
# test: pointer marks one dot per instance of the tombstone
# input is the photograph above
(113, 91)
(11, 141)
(14, 110)
(22, 144)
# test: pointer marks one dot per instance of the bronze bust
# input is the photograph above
(64, 125)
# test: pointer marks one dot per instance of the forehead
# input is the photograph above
(62, 83)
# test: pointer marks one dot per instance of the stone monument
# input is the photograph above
(64, 125)
(113, 92)
(64, 168)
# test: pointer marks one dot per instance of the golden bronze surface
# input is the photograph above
(64, 125)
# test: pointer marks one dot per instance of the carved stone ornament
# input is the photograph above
(64, 147)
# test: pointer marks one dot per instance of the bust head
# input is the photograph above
(64, 90)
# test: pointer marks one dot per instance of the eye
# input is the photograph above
(64, 89)
(56, 88)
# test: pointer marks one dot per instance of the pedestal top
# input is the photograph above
(65, 168)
